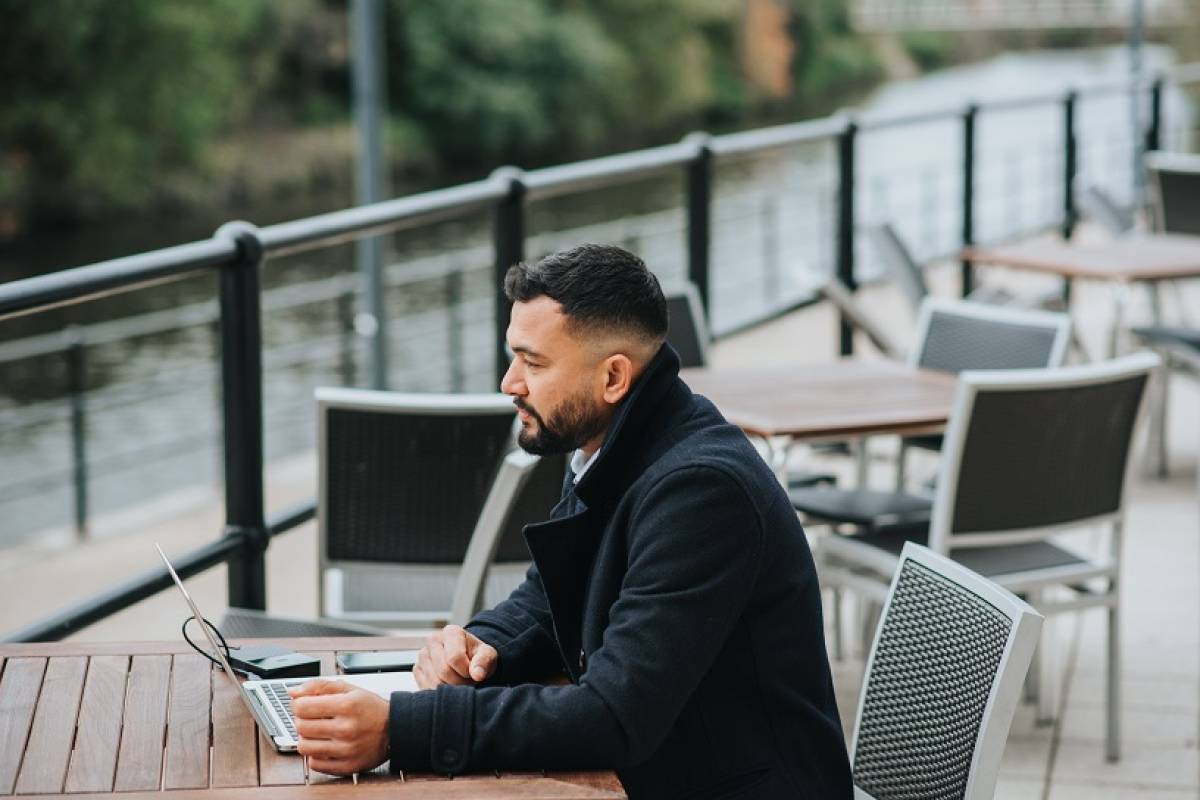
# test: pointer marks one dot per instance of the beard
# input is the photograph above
(572, 425)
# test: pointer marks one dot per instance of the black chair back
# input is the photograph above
(1176, 178)
(687, 328)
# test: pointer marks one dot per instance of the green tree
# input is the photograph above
(102, 97)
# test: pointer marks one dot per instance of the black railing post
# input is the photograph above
(346, 336)
(241, 391)
(844, 243)
(968, 196)
(76, 361)
(509, 247)
(1154, 128)
(454, 334)
(1070, 159)
(699, 215)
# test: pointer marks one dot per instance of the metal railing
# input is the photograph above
(238, 251)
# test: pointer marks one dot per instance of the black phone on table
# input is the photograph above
(378, 661)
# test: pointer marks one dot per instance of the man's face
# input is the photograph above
(555, 380)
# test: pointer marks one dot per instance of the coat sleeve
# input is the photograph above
(521, 631)
(695, 541)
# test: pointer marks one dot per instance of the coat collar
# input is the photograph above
(630, 428)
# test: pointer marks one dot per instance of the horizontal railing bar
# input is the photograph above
(292, 517)
(326, 230)
(598, 172)
(147, 584)
(776, 136)
(883, 121)
(1018, 103)
(110, 277)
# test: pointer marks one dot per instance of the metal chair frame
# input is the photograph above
(1024, 630)
(513, 472)
(862, 567)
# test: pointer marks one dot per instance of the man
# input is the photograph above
(673, 586)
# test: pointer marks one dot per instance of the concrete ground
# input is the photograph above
(1160, 630)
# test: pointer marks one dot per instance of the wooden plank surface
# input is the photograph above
(19, 688)
(838, 399)
(185, 765)
(521, 789)
(1147, 257)
(234, 745)
(94, 760)
(48, 751)
(313, 644)
(139, 761)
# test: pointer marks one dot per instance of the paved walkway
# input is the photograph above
(1160, 632)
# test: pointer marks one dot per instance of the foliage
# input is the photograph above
(101, 97)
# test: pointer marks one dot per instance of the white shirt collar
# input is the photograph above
(580, 464)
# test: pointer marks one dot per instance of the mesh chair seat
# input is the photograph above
(866, 508)
(1170, 335)
(991, 562)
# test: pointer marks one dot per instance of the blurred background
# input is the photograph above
(127, 126)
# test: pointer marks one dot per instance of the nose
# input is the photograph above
(512, 382)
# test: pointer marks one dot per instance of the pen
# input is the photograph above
(304, 761)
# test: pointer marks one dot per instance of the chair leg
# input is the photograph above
(1030, 694)
(839, 645)
(1156, 434)
(1047, 683)
(1113, 717)
(901, 458)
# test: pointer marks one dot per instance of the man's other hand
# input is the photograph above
(343, 729)
(454, 656)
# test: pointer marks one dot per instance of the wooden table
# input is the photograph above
(1149, 258)
(832, 401)
(140, 718)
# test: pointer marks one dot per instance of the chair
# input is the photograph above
(1028, 455)
(1100, 207)
(1175, 184)
(410, 487)
(838, 295)
(687, 332)
(249, 623)
(687, 327)
(941, 684)
(910, 278)
(953, 336)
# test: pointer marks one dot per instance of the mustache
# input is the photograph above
(530, 410)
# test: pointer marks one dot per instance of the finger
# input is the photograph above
(454, 643)
(318, 706)
(323, 728)
(483, 661)
(318, 686)
(324, 748)
(422, 677)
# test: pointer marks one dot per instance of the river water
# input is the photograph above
(153, 393)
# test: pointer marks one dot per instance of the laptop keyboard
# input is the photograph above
(276, 693)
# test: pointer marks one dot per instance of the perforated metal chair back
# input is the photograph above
(898, 261)
(1176, 184)
(953, 336)
(687, 327)
(1028, 451)
(941, 684)
(1100, 207)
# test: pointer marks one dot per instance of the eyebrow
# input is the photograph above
(526, 352)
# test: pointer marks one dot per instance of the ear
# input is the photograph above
(618, 377)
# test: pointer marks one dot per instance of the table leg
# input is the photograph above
(1155, 464)
(862, 462)
(1120, 300)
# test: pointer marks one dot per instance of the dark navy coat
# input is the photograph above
(675, 588)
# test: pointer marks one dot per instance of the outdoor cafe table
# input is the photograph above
(137, 719)
(1146, 258)
(839, 400)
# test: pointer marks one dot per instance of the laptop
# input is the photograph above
(268, 701)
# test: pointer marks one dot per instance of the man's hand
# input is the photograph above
(454, 656)
(343, 729)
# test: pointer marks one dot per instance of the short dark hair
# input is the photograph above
(598, 286)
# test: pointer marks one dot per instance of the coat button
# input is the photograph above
(449, 756)
(582, 658)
